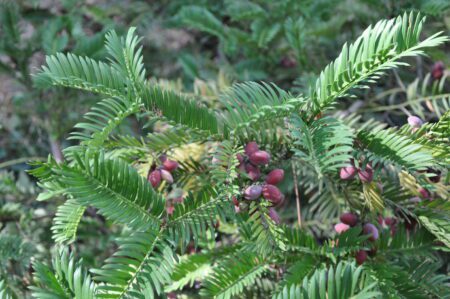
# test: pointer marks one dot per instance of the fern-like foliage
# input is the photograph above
(108, 171)
(178, 109)
(5, 292)
(82, 73)
(141, 265)
(266, 236)
(102, 120)
(128, 199)
(342, 281)
(66, 279)
(435, 217)
(66, 221)
(325, 144)
(230, 277)
(378, 49)
(249, 104)
(196, 217)
(127, 56)
(385, 146)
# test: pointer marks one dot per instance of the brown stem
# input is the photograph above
(297, 196)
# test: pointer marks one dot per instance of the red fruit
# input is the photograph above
(288, 62)
(165, 175)
(172, 295)
(253, 192)
(170, 209)
(179, 199)
(424, 193)
(240, 158)
(170, 165)
(260, 158)
(274, 216)
(272, 194)
(275, 176)
(437, 70)
(361, 257)
(390, 221)
(341, 227)
(347, 173)
(235, 201)
(349, 219)
(155, 178)
(251, 147)
(253, 171)
(366, 175)
(370, 229)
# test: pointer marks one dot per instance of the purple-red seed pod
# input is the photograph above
(390, 221)
(288, 62)
(170, 165)
(260, 158)
(361, 257)
(370, 229)
(424, 193)
(341, 227)
(438, 70)
(253, 171)
(253, 192)
(165, 175)
(251, 148)
(274, 216)
(154, 178)
(163, 158)
(366, 175)
(275, 176)
(349, 219)
(240, 158)
(272, 194)
(347, 173)
(415, 121)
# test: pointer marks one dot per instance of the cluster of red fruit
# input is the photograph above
(250, 163)
(163, 172)
(349, 172)
(437, 70)
(351, 220)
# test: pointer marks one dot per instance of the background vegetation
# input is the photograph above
(199, 48)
